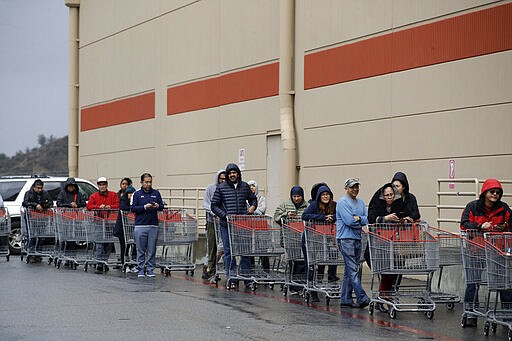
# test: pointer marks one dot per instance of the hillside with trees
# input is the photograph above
(50, 158)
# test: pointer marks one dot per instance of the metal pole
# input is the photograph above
(73, 86)
(286, 93)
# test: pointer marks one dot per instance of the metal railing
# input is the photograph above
(459, 198)
(186, 197)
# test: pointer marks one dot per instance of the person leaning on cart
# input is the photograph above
(145, 204)
(486, 214)
(39, 200)
(322, 209)
(231, 197)
(293, 209)
(351, 216)
(385, 207)
(103, 200)
(70, 197)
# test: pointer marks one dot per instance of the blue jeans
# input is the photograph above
(351, 251)
(230, 263)
(145, 240)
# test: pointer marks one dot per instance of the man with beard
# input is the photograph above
(232, 197)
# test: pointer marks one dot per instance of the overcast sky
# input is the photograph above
(33, 72)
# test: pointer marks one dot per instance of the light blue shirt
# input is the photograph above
(346, 226)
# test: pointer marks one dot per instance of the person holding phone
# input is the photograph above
(145, 203)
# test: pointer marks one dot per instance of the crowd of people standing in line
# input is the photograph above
(391, 203)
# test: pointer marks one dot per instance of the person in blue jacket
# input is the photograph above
(322, 209)
(145, 204)
(351, 216)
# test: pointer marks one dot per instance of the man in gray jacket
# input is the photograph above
(211, 242)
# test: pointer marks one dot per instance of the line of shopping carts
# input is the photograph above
(177, 233)
(79, 237)
(5, 231)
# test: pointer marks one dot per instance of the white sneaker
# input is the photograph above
(135, 270)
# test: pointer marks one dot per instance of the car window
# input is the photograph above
(10, 190)
(86, 189)
(53, 188)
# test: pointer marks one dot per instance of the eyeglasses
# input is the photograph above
(495, 192)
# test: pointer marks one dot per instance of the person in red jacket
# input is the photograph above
(103, 200)
(486, 214)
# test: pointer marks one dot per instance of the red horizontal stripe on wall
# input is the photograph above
(239, 86)
(121, 111)
(469, 35)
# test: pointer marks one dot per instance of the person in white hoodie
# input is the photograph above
(262, 202)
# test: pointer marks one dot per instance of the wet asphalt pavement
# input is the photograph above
(41, 302)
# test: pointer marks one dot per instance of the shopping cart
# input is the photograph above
(72, 240)
(498, 255)
(322, 249)
(129, 240)
(401, 249)
(256, 236)
(292, 230)
(175, 243)
(449, 255)
(473, 263)
(5, 231)
(219, 267)
(100, 231)
(38, 234)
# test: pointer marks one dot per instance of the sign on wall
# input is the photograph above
(241, 159)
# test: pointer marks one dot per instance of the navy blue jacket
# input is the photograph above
(145, 217)
(313, 210)
(228, 200)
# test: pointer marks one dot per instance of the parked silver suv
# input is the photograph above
(13, 189)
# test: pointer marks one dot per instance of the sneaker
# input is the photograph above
(150, 273)
(333, 279)
(364, 304)
(141, 273)
(471, 322)
(134, 269)
(381, 307)
(314, 297)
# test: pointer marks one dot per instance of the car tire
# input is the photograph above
(15, 239)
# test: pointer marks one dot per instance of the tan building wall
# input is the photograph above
(414, 120)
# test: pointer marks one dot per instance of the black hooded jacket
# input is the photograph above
(228, 200)
(32, 199)
(66, 197)
(377, 207)
(410, 205)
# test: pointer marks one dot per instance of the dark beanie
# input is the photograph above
(297, 190)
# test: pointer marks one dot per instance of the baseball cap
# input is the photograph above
(351, 182)
(101, 179)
